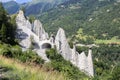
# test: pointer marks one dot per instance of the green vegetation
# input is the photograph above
(106, 60)
(83, 38)
(16, 53)
(106, 63)
(14, 70)
(12, 57)
(97, 19)
(91, 21)
(11, 7)
(7, 27)
(113, 40)
(58, 63)
(31, 18)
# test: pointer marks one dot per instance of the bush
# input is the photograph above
(116, 73)
(58, 63)
(81, 49)
(53, 55)
(6, 51)
(30, 56)
(16, 52)
(106, 56)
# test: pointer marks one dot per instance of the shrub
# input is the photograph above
(30, 56)
(53, 55)
(6, 51)
(16, 52)
(58, 63)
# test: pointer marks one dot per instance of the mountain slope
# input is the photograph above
(11, 7)
(39, 6)
(32, 8)
(99, 19)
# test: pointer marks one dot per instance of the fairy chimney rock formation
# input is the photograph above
(90, 63)
(82, 61)
(27, 31)
(62, 44)
(24, 33)
(79, 60)
(39, 31)
(22, 21)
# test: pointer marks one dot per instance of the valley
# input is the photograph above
(60, 40)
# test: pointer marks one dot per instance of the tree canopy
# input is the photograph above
(7, 27)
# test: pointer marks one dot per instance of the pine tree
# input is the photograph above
(7, 27)
(3, 17)
(4, 33)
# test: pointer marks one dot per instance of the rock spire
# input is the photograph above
(80, 60)
(27, 31)
(39, 31)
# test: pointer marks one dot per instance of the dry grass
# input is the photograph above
(34, 72)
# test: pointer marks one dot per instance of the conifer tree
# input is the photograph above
(7, 27)
(4, 33)
(3, 17)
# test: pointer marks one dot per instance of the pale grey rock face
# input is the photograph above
(28, 24)
(24, 33)
(62, 44)
(81, 61)
(21, 19)
(74, 55)
(40, 38)
(22, 25)
(39, 31)
(90, 63)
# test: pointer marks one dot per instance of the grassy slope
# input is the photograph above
(20, 71)
(111, 41)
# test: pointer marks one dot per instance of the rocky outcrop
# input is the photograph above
(39, 31)
(21, 19)
(80, 60)
(62, 44)
(23, 27)
(90, 63)
(74, 56)
(24, 33)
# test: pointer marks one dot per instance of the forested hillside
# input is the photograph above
(34, 7)
(11, 7)
(106, 61)
(98, 19)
